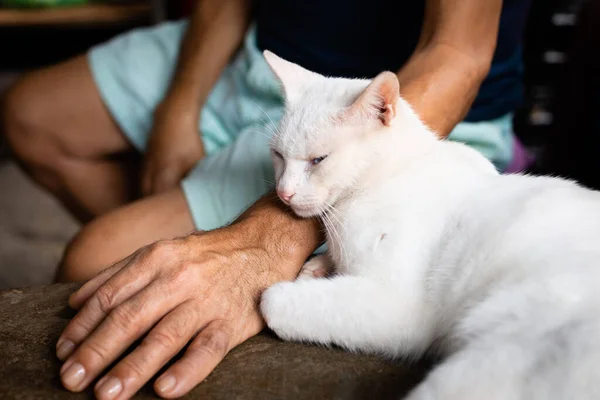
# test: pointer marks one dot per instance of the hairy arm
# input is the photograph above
(282, 233)
(452, 58)
(202, 288)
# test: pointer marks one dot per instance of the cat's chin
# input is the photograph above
(308, 212)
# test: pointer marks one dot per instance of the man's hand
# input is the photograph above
(175, 146)
(215, 32)
(204, 288)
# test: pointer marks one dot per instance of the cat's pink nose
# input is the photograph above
(285, 196)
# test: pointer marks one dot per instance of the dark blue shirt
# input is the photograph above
(354, 38)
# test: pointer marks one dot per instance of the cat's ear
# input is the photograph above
(380, 98)
(292, 76)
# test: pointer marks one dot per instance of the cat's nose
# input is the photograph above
(285, 196)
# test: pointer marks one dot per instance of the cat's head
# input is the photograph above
(322, 145)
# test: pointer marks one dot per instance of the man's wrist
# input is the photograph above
(187, 100)
(286, 238)
(178, 105)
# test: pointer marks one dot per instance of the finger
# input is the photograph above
(205, 352)
(65, 347)
(163, 342)
(125, 283)
(123, 325)
(79, 297)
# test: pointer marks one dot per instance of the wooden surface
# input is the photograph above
(96, 14)
(262, 368)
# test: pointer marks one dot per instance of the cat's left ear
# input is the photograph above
(380, 98)
(293, 77)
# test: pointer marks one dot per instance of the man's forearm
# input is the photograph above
(283, 234)
(215, 31)
(440, 86)
(452, 58)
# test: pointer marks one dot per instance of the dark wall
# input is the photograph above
(574, 141)
(547, 47)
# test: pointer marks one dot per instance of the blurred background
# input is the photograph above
(559, 120)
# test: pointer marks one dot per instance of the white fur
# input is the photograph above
(433, 250)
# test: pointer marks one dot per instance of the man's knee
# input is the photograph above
(22, 119)
(80, 261)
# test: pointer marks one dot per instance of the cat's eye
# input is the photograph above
(317, 160)
(278, 154)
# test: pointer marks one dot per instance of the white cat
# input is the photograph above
(433, 250)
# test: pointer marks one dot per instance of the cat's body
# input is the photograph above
(433, 250)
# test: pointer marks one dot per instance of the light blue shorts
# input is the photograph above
(133, 72)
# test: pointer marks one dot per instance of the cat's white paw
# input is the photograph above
(316, 267)
(276, 307)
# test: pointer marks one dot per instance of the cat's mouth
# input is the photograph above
(306, 211)
(311, 206)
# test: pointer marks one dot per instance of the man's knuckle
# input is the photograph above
(205, 351)
(131, 371)
(125, 319)
(167, 340)
(188, 268)
(81, 324)
(163, 249)
(94, 351)
(219, 343)
(181, 277)
(215, 343)
(106, 298)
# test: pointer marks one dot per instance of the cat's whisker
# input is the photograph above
(268, 116)
(330, 214)
(343, 252)
(333, 212)
(326, 222)
(260, 133)
(334, 232)
(267, 127)
(268, 182)
(332, 209)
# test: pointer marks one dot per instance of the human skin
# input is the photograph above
(205, 287)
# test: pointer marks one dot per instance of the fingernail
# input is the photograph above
(109, 389)
(73, 375)
(66, 365)
(166, 383)
(64, 348)
(101, 381)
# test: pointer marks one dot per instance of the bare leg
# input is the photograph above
(63, 136)
(119, 233)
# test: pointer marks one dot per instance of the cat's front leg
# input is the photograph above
(353, 312)
(317, 267)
